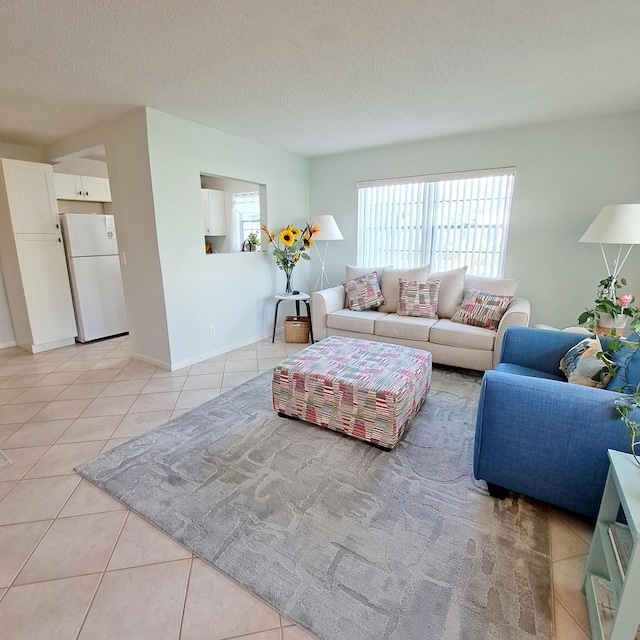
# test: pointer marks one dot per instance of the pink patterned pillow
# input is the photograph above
(364, 293)
(482, 309)
(419, 299)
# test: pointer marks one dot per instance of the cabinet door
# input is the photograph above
(68, 186)
(31, 196)
(213, 212)
(96, 189)
(46, 287)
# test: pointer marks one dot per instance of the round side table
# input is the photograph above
(297, 298)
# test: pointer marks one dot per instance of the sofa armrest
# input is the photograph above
(547, 439)
(517, 314)
(539, 349)
(322, 303)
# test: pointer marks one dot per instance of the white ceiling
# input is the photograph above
(316, 76)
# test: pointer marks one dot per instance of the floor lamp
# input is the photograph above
(327, 230)
(616, 224)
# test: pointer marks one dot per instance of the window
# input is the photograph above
(447, 221)
(246, 210)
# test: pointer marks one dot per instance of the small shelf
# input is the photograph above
(612, 598)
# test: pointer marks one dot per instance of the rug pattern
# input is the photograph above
(346, 540)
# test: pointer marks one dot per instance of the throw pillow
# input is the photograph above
(391, 286)
(352, 272)
(451, 290)
(363, 293)
(482, 309)
(581, 366)
(419, 299)
(499, 286)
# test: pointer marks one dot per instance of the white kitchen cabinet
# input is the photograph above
(33, 258)
(214, 215)
(72, 187)
(46, 290)
(29, 197)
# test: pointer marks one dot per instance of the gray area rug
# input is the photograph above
(4, 461)
(348, 541)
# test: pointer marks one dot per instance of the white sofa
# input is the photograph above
(450, 343)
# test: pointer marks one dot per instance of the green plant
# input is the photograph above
(253, 238)
(630, 400)
(609, 302)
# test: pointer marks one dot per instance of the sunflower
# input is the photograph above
(287, 238)
(294, 230)
(307, 242)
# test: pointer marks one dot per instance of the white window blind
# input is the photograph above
(447, 221)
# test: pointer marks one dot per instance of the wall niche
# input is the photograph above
(231, 210)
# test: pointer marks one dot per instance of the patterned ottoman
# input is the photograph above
(368, 390)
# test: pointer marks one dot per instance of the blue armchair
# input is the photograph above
(540, 436)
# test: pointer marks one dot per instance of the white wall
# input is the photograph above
(174, 292)
(126, 147)
(232, 291)
(82, 167)
(14, 152)
(566, 173)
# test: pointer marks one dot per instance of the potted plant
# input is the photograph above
(289, 246)
(608, 317)
(612, 309)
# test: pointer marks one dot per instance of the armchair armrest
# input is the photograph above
(322, 303)
(547, 439)
(517, 314)
(539, 349)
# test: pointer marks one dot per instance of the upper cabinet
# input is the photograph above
(30, 194)
(213, 212)
(72, 187)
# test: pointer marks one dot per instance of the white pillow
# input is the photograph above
(391, 284)
(497, 286)
(451, 290)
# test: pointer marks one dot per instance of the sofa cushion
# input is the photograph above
(418, 299)
(519, 370)
(347, 320)
(581, 364)
(406, 327)
(363, 293)
(352, 272)
(482, 309)
(391, 286)
(497, 286)
(454, 334)
(451, 290)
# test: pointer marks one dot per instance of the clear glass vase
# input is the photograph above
(288, 289)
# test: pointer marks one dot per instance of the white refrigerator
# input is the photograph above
(94, 271)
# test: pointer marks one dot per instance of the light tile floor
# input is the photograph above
(74, 563)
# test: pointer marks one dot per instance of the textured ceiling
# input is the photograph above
(316, 77)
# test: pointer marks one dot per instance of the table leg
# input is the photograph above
(309, 316)
(298, 308)
(275, 321)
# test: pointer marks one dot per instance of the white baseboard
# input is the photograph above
(174, 366)
(6, 345)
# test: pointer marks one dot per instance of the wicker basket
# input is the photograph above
(296, 329)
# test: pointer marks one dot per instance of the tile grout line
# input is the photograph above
(104, 571)
(186, 595)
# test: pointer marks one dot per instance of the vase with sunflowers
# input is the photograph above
(289, 247)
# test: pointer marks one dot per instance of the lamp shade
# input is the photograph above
(328, 229)
(615, 224)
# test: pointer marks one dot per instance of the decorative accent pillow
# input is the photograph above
(419, 299)
(581, 366)
(481, 309)
(363, 293)
(391, 288)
